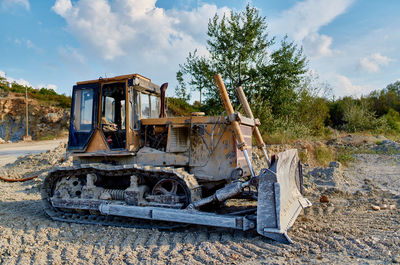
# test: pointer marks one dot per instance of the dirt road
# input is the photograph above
(344, 231)
(10, 152)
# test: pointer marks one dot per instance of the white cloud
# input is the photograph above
(346, 87)
(303, 21)
(71, 55)
(23, 82)
(48, 86)
(128, 35)
(62, 7)
(188, 21)
(318, 45)
(28, 44)
(19, 81)
(373, 62)
(9, 79)
(136, 28)
(6, 4)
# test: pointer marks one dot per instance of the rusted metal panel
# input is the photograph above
(247, 121)
(102, 153)
(212, 151)
(185, 120)
(114, 79)
(139, 82)
(164, 121)
(178, 139)
(97, 143)
(160, 158)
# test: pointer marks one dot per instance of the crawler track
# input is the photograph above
(112, 171)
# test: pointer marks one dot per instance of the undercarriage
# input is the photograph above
(99, 194)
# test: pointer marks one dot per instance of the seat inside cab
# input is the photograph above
(113, 115)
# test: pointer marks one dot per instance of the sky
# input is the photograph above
(352, 45)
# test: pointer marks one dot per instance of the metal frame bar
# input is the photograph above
(158, 213)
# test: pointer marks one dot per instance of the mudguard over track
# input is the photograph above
(279, 197)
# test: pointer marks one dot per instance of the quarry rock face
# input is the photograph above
(44, 121)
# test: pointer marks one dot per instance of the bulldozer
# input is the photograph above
(133, 164)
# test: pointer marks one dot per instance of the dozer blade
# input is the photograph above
(279, 196)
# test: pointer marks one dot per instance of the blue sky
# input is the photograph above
(351, 44)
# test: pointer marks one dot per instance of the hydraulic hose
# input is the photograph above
(17, 180)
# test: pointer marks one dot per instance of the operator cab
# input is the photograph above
(106, 113)
(113, 115)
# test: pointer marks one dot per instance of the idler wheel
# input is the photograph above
(171, 191)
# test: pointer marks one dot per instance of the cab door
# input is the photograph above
(113, 115)
(83, 116)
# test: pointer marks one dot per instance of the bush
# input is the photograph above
(324, 155)
(393, 120)
(313, 113)
(179, 107)
(358, 118)
(262, 111)
(344, 155)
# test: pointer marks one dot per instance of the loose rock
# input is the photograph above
(375, 207)
(324, 199)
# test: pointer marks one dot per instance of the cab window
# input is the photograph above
(83, 110)
(155, 106)
(145, 104)
(134, 108)
(150, 106)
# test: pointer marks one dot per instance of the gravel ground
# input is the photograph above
(344, 231)
(10, 152)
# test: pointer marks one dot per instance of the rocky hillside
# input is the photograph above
(45, 121)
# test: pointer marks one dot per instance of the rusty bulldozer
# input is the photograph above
(132, 162)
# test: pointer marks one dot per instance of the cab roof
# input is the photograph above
(136, 80)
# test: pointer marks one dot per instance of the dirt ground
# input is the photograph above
(344, 231)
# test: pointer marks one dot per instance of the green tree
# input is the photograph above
(198, 69)
(237, 43)
(181, 91)
(240, 49)
(281, 77)
(384, 100)
(393, 120)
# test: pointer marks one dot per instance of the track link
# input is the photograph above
(111, 170)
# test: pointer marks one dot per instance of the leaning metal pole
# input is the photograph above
(26, 119)
(235, 124)
(260, 142)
